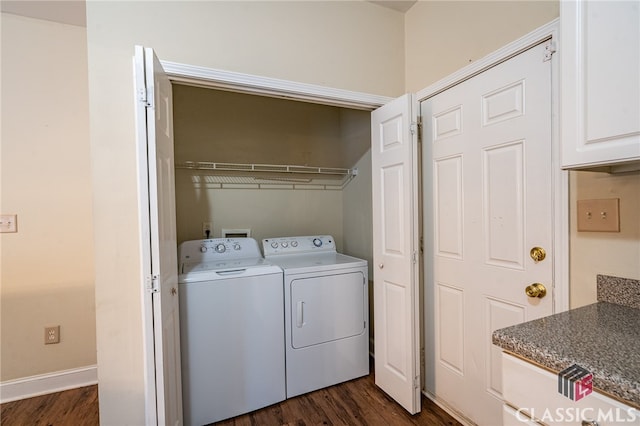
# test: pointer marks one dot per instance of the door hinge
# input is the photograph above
(413, 128)
(414, 257)
(143, 96)
(416, 382)
(549, 50)
(152, 283)
(416, 127)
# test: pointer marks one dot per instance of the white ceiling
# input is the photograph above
(73, 12)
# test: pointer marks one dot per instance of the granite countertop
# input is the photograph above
(603, 338)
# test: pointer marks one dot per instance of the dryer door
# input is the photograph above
(327, 308)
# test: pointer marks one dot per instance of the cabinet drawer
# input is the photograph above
(511, 417)
(535, 392)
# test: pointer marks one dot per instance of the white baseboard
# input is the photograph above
(42, 384)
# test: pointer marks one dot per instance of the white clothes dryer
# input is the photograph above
(231, 329)
(326, 312)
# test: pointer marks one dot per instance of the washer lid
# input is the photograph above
(313, 262)
(218, 270)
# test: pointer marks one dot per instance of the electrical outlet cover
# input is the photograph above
(207, 226)
(52, 335)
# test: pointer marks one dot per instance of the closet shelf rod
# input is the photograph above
(274, 168)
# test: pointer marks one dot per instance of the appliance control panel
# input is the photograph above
(217, 249)
(298, 245)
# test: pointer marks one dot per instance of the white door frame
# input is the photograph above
(244, 83)
(266, 86)
(560, 178)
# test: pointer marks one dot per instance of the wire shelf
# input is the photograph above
(267, 176)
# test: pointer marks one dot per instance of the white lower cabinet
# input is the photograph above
(531, 397)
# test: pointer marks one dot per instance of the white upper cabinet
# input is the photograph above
(600, 82)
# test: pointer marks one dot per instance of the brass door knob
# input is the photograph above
(537, 254)
(536, 290)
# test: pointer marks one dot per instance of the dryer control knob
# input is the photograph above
(203, 249)
(285, 244)
(274, 244)
(294, 244)
(220, 248)
(236, 246)
(317, 242)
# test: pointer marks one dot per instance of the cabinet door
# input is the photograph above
(600, 103)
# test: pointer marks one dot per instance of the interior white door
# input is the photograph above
(395, 251)
(487, 156)
(153, 91)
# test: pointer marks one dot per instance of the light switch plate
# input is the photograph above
(8, 223)
(599, 215)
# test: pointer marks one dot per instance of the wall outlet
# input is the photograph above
(8, 223)
(52, 335)
(207, 229)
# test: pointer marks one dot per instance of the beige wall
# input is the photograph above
(227, 127)
(267, 212)
(47, 267)
(220, 126)
(337, 44)
(609, 253)
(357, 222)
(444, 36)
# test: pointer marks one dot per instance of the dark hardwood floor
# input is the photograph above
(72, 407)
(357, 402)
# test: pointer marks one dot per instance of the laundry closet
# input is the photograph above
(226, 146)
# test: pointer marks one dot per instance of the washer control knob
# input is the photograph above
(220, 248)
(236, 246)
(203, 249)
(294, 244)
(285, 244)
(317, 242)
(274, 244)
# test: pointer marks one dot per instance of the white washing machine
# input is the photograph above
(231, 329)
(326, 312)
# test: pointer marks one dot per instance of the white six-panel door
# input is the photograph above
(487, 158)
(395, 251)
